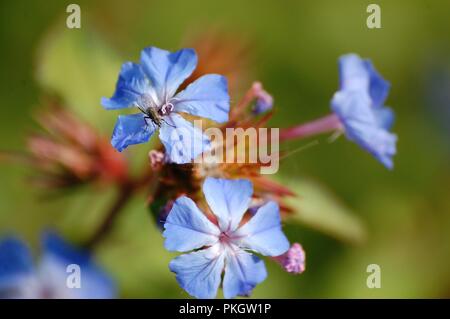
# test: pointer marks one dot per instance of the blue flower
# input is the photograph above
(222, 246)
(19, 278)
(151, 86)
(359, 104)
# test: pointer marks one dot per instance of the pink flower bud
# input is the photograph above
(293, 261)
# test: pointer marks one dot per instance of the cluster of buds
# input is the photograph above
(68, 152)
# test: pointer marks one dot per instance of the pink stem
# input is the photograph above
(322, 125)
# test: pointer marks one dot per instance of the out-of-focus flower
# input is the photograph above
(69, 152)
(224, 238)
(50, 279)
(359, 111)
(293, 261)
(359, 104)
(151, 86)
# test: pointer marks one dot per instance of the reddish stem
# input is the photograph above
(322, 125)
(126, 192)
(122, 199)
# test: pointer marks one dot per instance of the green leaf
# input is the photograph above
(80, 68)
(318, 208)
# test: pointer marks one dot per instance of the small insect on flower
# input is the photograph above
(19, 278)
(152, 86)
(221, 242)
(359, 105)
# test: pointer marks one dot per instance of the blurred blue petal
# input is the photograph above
(131, 85)
(243, 272)
(262, 233)
(131, 129)
(206, 97)
(380, 143)
(167, 70)
(379, 87)
(199, 273)
(187, 228)
(54, 245)
(353, 73)
(353, 106)
(57, 256)
(15, 263)
(385, 117)
(183, 142)
(263, 105)
(228, 199)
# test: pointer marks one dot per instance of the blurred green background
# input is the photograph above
(398, 219)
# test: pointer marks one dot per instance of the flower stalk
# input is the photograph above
(322, 125)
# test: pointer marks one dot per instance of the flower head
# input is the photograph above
(359, 105)
(222, 241)
(152, 86)
(19, 279)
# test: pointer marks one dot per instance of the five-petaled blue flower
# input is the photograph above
(359, 104)
(51, 279)
(222, 244)
(152, 87)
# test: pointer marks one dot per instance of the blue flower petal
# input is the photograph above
(385, 117)
(354, 106)
(378, 142)
(359, 106)
(57, 256)
(16, 263)
(187, 228)
(183, 142)
(243, 271)
(358, 74)
(262, 233)
(167, 70)
(206, 97)
(131, 129)
(228, 200)
(53, 244)
(131, 85)
(199, 273)
(353, 74)
(379, 87)
(363, 125)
